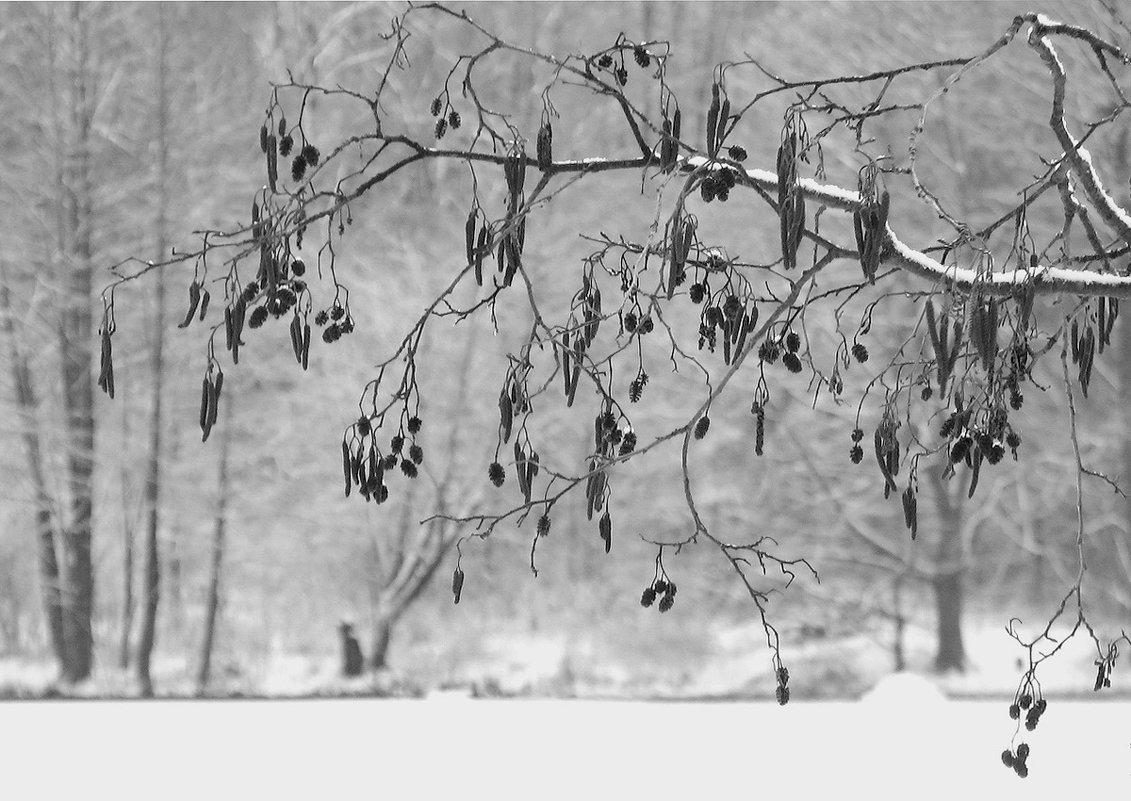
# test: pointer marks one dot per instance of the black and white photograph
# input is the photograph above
(607, 400)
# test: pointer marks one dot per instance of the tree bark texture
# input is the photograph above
(219, 532)
(151, 577)
(946, 583)
(45, 533)
(76, 354)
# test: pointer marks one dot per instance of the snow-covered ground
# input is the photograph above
(903, 741)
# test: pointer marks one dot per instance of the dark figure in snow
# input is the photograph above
(352, 661)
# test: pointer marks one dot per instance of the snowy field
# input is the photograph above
(892, 745)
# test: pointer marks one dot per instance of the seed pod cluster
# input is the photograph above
(234, 315)
(337, 320)
(636, 387)
(946, 341)
(977, 436)
(660, 588)
(587, 304)
(888, 449)
(457, 584)
(759, 411)
(545, 143)
(272, 162)
(791, 200)
(605, 529)
(581, 329)
(477, 245)
(669, 144)
(300, 338)
(782, 690)
(511, 244)
(1017, 761)
(210, 390)
(279, 286)
(595, 486)
(526, 465)
(1085, 343)
(1107, 311)
(608, 440)
(717, 183)
(718, 113)
(911, 507)
(198, 299)
(983, 329)
(106, 356)
(733, 320)
(1104, 667)
(512, 403)
(365, 464)
(681, 235)
(573, 351)
(869, 221)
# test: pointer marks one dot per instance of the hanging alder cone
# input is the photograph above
(791, 201)
(545, 145)
(869, 221)
(457, 584)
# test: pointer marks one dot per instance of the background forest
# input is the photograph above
(127, 127)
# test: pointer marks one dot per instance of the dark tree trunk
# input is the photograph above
(951, 654)
(127, 620)
(212, 604)
(44, 527)
(947, 581)
(900, 624)
(151, 584)
(382, 634)
(1122, 331)
(76, 336)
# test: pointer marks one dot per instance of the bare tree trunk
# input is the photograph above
(947, 583)
(900, 622)
(408, 571)
(127, 556)
(212, 605)
(382, 634)
(151, 585)
(44, 527)
(76, 352)
(1122, 161)
(951, 655)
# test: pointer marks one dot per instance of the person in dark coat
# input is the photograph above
(352, 660)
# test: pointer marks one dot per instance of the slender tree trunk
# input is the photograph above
(212, 604)
(127, 555)
(417, 555)
(946, 584)
(900, 623)
(1122, 338)
(44, 527)
(76, 337)
(151, 585)
(382, 634)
